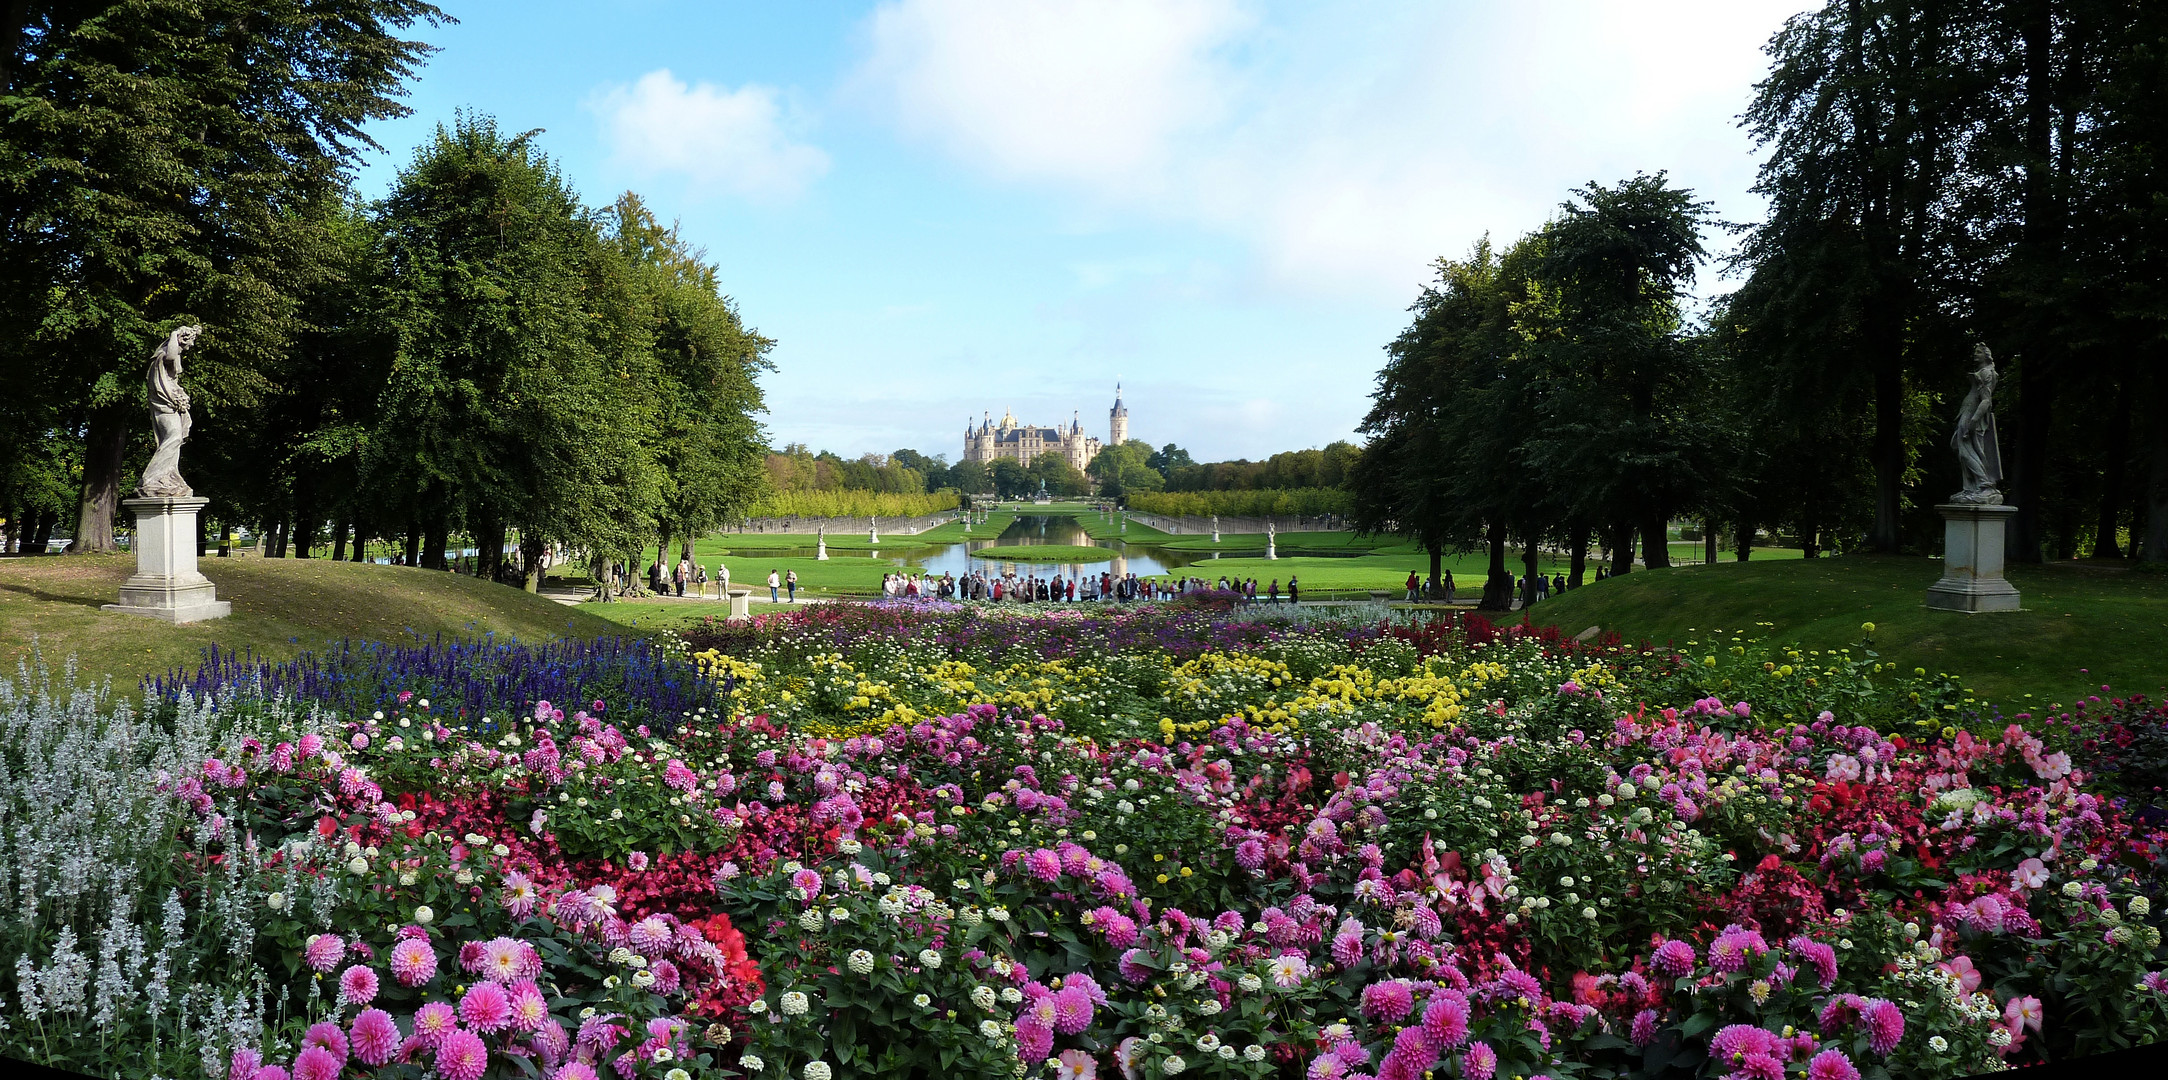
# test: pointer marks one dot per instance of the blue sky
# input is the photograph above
(946, 207)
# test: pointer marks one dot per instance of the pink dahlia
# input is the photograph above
(245, 1064)
(374, 1037)
(323, 951)
(1446, 1019)
(650, 937)
(1479, 1062)
(1034, 1041)
(1644, 1027)
(1250, 855)
(1831, 1065)
(486, 1007)
(1043, 864)
(327, 1035)
(529, 1009)
(432, 1022)
(461, 1056)
(1072, 1010)
(667, 977)
(1347, 949)
(357, 985)
(413, 962)
(575, 1070)
(1819, 956)
(503, 959)
(1132, 971)
(271, 1072)
(1759, 1067)
(520, 895)
(1735, 1043)
(1387, 1001)
(1673, 959)
(808, 882)
(1885, 1024)
(317, 1063)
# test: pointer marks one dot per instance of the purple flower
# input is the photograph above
(1673, 959)
(1885, 1024)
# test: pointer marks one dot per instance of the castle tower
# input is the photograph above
(1118, 419)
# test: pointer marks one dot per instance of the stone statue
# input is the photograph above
(1272, 538)
(1979, 459)
(169, 418)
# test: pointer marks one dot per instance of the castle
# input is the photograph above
(1008, 439)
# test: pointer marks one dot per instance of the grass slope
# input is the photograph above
(280, 606)
(2082, 626)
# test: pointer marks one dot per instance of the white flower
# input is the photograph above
(2139, 906)
(849, 847)
(1937, 1043)
(929, 957)
(756, 1005)
(795, 1003)
(816, 1070)
(1011, 994)
(2072, 888)
(677, 1074)
(810, 919)
(999, 914)
(860, 962)
(1208, 1042)
(1209, 1007)
(1254, 1052)
(1172, 1065)
(921, 1000)
(424, 915)
(276, 901)
(1249, 983)
(643, 978)
(1227, 1052)
(357, 865)
(752, 1063)
(990, 1028)
(983, 997)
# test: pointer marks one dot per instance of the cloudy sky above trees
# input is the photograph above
(944, 207)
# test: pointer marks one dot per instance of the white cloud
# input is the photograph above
(732, 140)
(1347, 145)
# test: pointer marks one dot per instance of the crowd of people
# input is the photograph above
(980, 585)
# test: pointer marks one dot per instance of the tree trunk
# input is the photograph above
(412, 556)
(1528, 572)
(2155, 547)
(433, 544)
(338, 541)
(1888, 449)
(1497, 584)
(361, 540)
(2107, 535)
(304, 535)
(1745, 539)
(105, 450)
(277, 539)
(489, 546)
(2035, 406)
(530, 554)
(1708, 542)
(1655, 541)
(1579, 568)
(203, 536)
(1622, 549)
(2037, 258)
(1437, 567)
(1810, 537)
(41, 532)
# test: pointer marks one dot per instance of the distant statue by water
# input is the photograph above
(169, 418)
(1979, 458)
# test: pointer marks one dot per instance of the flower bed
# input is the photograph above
(888, 840)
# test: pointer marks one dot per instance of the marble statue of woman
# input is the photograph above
(1979, 459)
(169, 418)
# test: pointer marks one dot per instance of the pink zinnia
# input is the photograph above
(374, 1037)
(808, 882)
(529, 1009)
(1072, 1010)
(413, 962)
(327, 1035)
(1673, 959)
(323, 951)
(433, 1021)
(1479, 1062)
(1885, 1024)
(317, 1063)
(461, 1056)
(575, 1070)
(486, 1007)
(1446, 1019)
(1831, 1065)
(357, 985)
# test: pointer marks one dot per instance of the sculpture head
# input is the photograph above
(186, 336)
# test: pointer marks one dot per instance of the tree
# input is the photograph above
(171, 161)
(1053, 470)
(524, 383)
(1125, 468)
(1168, 458)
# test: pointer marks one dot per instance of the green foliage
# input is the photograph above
(1297, 502)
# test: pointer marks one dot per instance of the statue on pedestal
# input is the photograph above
(1272, 538)
(1979, 458)
(169, 418)
(822, 540)
(1215, 528)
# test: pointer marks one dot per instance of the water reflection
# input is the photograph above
(1042, 530)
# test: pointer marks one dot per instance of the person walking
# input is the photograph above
(678, 575)
(790, 581)
(1415, 583)
(1449, 586)
(1272, 595)
(1294, 590)
(775, 583)
(722, 580)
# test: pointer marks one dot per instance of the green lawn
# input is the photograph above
(1110, 528)
(2082, 626)
(280, 606)
(1294, 543)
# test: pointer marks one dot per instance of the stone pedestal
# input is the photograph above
(1972, 551)
(741, 603)
(166, 584)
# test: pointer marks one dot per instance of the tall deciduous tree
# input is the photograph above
(161, 162)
